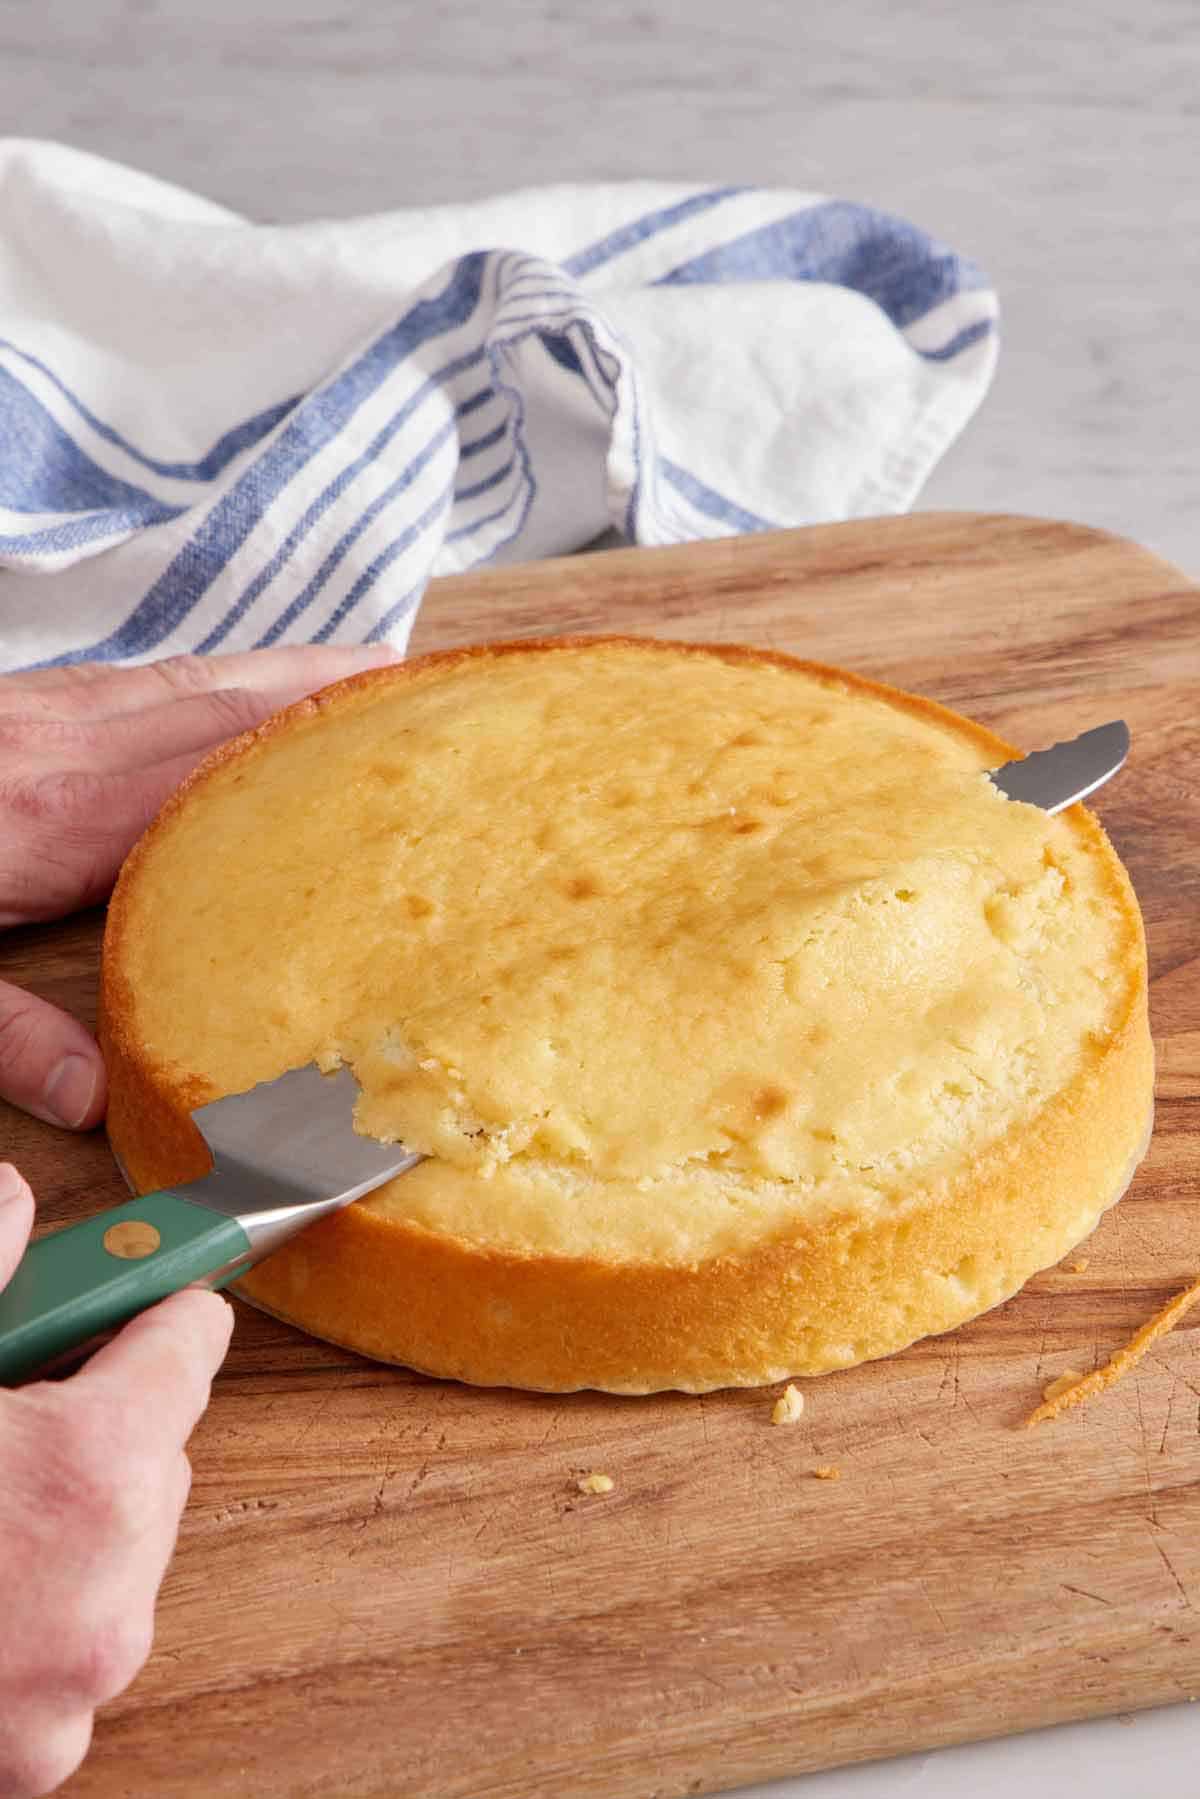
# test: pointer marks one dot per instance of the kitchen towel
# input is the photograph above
(216, 434)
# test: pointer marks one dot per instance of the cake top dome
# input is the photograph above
(673, 946)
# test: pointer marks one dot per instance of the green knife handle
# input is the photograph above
(89, 1279)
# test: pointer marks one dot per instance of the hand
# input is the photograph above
(94, 1481)
(87, 757)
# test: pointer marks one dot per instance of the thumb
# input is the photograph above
(49, 1065)
(16, 1220)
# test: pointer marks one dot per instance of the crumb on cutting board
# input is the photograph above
(1061, 1383)
(596, 1483)
(789, 1407)
(827, 1471)
(1119, 1364)
(1077, 1265)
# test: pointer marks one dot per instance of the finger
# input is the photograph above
(100, 690)
(114, 1609)
(79, 827)
(136, 1580)
(133, 740)
(164, 1361)
(16, 1220)
(136, 739)
(82, 820)
(157, 1547)
(40, 1748)
(49, 1065)
(180, 1487)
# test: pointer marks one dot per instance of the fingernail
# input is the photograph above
(71, 1089)
(10, 1183)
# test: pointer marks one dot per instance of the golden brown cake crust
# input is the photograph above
(816, 1296)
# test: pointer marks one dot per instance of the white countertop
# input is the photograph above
(1056, 142)
(1107, 1758)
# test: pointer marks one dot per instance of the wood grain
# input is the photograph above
(387, 1585)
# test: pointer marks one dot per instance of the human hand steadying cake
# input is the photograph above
(95, 1471)
(90, 754)
(96, 1476)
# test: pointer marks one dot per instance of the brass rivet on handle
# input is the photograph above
(131, 1239)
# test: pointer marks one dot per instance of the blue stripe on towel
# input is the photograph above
(488, 482)
(76, 533)
(706, 499)
(565, 293)
(600, 383)
(649, 225)
(207, 467)
(474, 401)
(406, 603)
(558, 345)
(489, 518)
(478, 444)
(886, 259)
(381, 563)
(962, 340)
(327, 497)
(314, 424)
(527, 481)
(42, 469)
(544, 320)
(519, 293)
(349, 537)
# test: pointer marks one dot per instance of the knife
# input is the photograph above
(1056, 778)
(286, 1153)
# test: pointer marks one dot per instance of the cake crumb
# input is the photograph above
(1119, 1364)
(828, 1471)
(1078, 1265)
(596, 1483)
(789, 1407)
(1061, 1383)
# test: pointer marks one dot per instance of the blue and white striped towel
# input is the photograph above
(217, 435)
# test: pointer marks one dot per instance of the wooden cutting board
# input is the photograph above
(390, 1586)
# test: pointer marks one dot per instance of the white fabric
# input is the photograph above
(215, 434)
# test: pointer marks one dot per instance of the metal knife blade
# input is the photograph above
(284, 1155)
(286, 1152)
(1056, 778)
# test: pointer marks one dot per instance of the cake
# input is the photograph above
(746, 1029)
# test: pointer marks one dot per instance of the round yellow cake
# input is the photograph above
(747, 1030)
